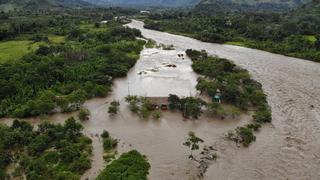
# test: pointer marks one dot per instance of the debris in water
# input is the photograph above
(142, 72)
(171, 65)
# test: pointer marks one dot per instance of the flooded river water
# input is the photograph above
(160, 140)
(290, 148)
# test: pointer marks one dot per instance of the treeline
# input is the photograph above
(57, 22)
(288, 34)
(60, 76)
(50, 152)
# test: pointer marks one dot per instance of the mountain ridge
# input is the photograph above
(212, 6)
(7, 5)
(146, 3)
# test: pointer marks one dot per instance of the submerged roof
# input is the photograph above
(158, 100)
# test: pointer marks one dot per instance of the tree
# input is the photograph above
(246, 135)
(108, 142)
(191, 107)
(105, 134)
(114, 107)
(84, 114)
(192, 142)
(72, 128)
(129, 166)
(317, 43)
(174, 102)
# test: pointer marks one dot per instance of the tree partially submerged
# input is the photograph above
(84, 114)
(189, 106)
(114, 107)
(192, 143)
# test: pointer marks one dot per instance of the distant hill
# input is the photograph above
(307, 17)
(146, 3)
(6, 5)
(212, 6)
(311, 9)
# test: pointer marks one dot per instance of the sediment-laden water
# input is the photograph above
(157, 73)
(290, 147)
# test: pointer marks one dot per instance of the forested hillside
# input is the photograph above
(6, 5)
(146, 3)
(216, 6)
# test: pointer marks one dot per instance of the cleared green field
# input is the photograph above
(311, 38)
(14, 50)
(91, 27)
(56, 39)
(235, 43)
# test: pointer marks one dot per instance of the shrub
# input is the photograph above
(105, 134)
(84, 114)
(109, 143)
(114, 107)
(156, 114)
(246, 135)
(262, 116)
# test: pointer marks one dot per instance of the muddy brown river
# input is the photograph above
(289, 148)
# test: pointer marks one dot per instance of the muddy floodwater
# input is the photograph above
(157, 73)
(290, 147)
(160, 140)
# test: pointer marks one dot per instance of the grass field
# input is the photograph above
(56, 39)
(91, 27)
(13, 50)
(311, 38)
(235, 43)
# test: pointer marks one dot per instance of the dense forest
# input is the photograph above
(217, 6)
(73, 58)
(49, 152)
(14, 5)
(294, 34)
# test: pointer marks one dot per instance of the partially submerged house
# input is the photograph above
(159, 102)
